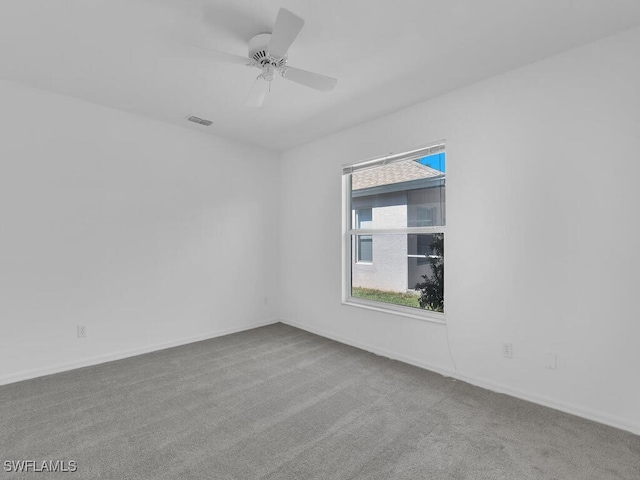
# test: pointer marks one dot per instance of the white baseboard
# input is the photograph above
(374, 349)
(589, 414)
(573, 409)
(131, 352)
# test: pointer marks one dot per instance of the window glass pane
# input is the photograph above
(437, 161)
(426, 269)
(424, 216)
(410, 193)
(363, 217)
(409, 270)
(365, 248)
(420, 248)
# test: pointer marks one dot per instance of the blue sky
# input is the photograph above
(437, 161)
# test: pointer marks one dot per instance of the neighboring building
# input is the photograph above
(398, 195)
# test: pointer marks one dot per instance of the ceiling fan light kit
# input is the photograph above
(268, 52)
(259, 51)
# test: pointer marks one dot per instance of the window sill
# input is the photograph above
(424, 315)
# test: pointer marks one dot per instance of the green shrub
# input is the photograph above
(432, 288)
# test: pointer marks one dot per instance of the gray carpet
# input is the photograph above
(280, 403)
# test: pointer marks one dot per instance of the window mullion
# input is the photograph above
(396, 231)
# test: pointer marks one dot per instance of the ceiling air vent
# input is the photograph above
(201, 121)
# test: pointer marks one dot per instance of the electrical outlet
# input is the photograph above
(507, 350)
(82, 331)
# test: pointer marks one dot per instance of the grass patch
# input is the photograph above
(397, 298)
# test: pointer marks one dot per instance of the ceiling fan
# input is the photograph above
(268, 52)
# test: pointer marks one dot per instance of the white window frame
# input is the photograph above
(350, 233)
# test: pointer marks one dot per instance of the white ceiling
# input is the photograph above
(135, 55)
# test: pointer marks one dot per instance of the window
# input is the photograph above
(364, 243)
(424, 249)
(364, 217)
(424, 216)
(365, 248)
(396, 203)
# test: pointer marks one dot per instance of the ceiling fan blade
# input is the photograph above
(225, 57)
(284, 33)
(257, 93)
(309, 79)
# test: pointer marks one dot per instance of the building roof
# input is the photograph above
(397, 172)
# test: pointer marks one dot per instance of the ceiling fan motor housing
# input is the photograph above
(259, 52)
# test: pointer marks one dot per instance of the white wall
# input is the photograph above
(542, 232)
(149, 234)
